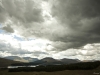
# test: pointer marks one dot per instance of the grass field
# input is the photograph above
(66, 72)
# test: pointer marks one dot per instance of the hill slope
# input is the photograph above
(21, 59)
(52, 61)
(16, 58)
(6, 62)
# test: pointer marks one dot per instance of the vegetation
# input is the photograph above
(6, 62)
(51, 68)
(65, 72)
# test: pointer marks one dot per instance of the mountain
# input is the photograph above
(69, 61)
(21, 59)
(48, 61)
(16, 58)
(6, 62)
(12, 57)
(52, 61)
(31, 59)
(89, 60)
(44, 61)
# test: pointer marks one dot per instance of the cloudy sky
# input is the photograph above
(50, 28)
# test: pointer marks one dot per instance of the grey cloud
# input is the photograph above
(80, 19)
(39, 53)
(13, 51)
(88, 53)
(77, 22)
(70, 52)
(73, 11)
(8, 48)
(8, 28)
(3, 14)
(23, 14)
(24, 11)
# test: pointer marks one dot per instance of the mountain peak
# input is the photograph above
(49, 59)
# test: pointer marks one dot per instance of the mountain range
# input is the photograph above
(52, 61)
(45, 61)
(27, 61)
(21, 59)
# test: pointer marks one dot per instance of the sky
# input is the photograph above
(50, 28)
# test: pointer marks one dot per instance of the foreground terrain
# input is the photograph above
(82, 68)
(66, 72)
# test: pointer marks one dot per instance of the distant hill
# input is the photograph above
(48, 61)
(52, 68)
(6, 62)
(52, 61)
(69, 61)
(12, 57)
(21, 59)
(89, 60)
(30, 59)
(16, 58)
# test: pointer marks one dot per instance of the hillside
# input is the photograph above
(16, 58)
(52, 61)
(53, 68)
(48, 61)
(69, 61)
(6, 62)
(21, 59)
(29, 59)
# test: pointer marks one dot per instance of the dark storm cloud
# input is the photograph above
(81, 19)
(25, 16)
(74, 23)
(21, 13)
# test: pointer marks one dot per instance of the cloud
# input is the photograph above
(6, 47)
(80, 20)
(8, 29)
(62, 25)
(25, 10)
(40, 48)
(39, 53)
(88, 52)
(21, 14)
(12, 46)
(71, 24)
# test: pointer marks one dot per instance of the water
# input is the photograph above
(21, 66)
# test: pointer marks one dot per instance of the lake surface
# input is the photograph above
(20, 66)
